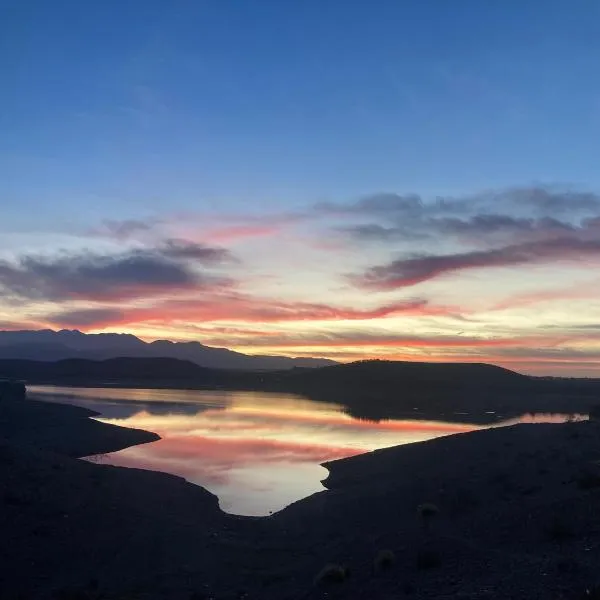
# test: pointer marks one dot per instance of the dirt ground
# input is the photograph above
(516, 514)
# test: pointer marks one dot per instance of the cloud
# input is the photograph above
(582, 291)
(378, 204)
(379, 233)
(131, 274)
(551, 201)
(176, 248)
(179, 455)
(380, 340)
(538, 200)
(6, 325)
(232, 306)
(484, 229)
(125, 229)
(234, 233)
(411, 271)
(510, 216)
(83, 318)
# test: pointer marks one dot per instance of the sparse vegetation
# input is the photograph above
(427, 512)
(331, 573)
(591, 593)
(384, 560)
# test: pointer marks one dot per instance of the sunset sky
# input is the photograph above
(401, 180)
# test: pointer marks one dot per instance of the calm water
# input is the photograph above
(258, 452)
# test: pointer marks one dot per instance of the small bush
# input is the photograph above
(331, 574)
(427, 510)
(384, 560)
(426, 513)
(428, 559)
(591, 593)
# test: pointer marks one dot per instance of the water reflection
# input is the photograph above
(257, 452)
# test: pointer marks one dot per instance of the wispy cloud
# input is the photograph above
(231, 306)
(581, 291)
(84, 318)
(131, 274)
(379, 340)
(125, 229)
(411, 271)
(536, 201)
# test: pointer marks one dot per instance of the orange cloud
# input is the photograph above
(367, 339)
(338, 420)
(239, 307)
(235, 233)
(581, 292)
(180, 455)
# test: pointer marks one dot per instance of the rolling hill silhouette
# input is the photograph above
(372, 390)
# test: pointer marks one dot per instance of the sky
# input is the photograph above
(399, 180)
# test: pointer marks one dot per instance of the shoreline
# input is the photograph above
(517, 514)
(450, 407)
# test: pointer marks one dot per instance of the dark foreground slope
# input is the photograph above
(64, 429)
(518, 518)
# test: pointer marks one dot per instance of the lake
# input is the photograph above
(257, 451)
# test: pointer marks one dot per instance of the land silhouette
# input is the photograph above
(375, 390)
(509, 512)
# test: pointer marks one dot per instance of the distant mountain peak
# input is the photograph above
(50, 345)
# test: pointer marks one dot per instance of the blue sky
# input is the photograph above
(136, 104)
(220, 113)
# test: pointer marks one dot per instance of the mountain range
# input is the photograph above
(50, 345)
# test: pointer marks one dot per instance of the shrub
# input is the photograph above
(384, 560)
(427, 512)
(331, 573)
(591, 593)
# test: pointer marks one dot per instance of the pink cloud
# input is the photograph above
(239, 307)
(234, 233)
(209, 460)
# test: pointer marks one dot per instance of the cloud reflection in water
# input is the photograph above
(257, 452)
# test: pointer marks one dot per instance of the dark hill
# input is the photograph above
(372, 390)
(123, 371)
(382, 374)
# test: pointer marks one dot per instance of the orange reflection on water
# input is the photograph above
(257, 452)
